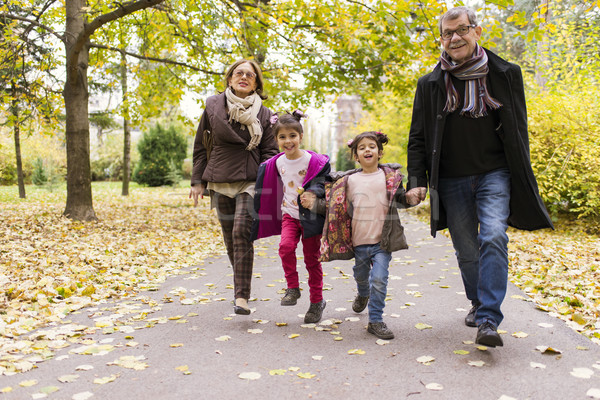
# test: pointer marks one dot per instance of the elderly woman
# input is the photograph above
(233, 138)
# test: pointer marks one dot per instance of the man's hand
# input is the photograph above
(416, 195)
(196, 191)
(307, 199)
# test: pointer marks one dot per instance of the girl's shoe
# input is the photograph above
(315, 312)
(241, 307)
(291, 297)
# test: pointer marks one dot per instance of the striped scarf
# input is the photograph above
(474, 71)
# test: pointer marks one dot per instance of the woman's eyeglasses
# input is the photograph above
(248, 74)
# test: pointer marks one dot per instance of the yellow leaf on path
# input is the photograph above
(578, 318)
(382, 342)
(547, 349)
(28, 383)
(223, 338)
(175, 317)
(106, 379)
(6, 389)
(68, 378)
(481, 348)
(422, 326)
(82, 396)
(426, 360)
(277, 372)
(468, 342)
(176, 345)
(293, 336)
(294, 369)
(582, 348)
(250, 376)
(281, 323)
(317, 358)
(520, 335)
(306, 375)
(255, 331)
(182, 368)
(461, 352)
(338, 338)
(501, 331)
(356, 351)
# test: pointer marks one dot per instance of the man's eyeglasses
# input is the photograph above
(461, 31)
(240, 74)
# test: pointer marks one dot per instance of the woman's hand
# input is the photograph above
(307, 199)
(195, 191)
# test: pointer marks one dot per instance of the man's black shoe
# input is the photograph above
(470, 318)
(487, 335)
(359, 303)
(380, 330)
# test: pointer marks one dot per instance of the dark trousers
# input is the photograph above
(236, 224)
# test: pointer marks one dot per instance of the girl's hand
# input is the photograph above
(196, 191)
(416, 195)
(307, 199)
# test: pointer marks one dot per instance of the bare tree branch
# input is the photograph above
(33, 23)
(155, 59)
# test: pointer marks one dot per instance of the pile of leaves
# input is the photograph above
(51, 266)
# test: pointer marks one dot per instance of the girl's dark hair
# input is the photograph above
(257, 71)
(287, 120)
(379, 137)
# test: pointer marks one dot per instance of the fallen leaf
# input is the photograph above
(434, 386)
(426, 360)
(593, 393)
(547, 349)
(106, 379)
(583, 373)
(306, 375)
(250, 376)
(461, 352)
(422, 326)
(536, 365)
(293, 336)
(356, 351)
(382, 342)
(477, 363)
(520, 335)
(176, 345)
(6, 389)
(317, 358)
(545, 325)
(294, 369)
(68, 378)
(277, 372)
(82, 396)
(255, 331)
(28, 383)
(582, 348)
(223, 338)
(281, 323)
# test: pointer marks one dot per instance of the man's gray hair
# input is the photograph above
(456, 12)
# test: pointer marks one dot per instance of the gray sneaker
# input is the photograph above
(359, 303)
(380, 330)
(315, 312)
(291, 297)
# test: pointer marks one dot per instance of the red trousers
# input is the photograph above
(291, 232)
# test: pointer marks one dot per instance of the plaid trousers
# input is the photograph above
(236, 224)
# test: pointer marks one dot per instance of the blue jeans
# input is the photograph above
(371, 270)
(477, 210)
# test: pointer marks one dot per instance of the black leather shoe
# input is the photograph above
(359, 303)
(470, 318)
(487, 335)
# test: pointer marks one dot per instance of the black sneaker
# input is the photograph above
(291, 297)
(359, 303)
(315, 312)
(470, 318)
(488, 335)
(380, 330)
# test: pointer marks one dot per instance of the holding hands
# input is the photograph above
(415, 195)
(307, 199)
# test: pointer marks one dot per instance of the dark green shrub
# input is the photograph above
(344, 160)
(39, 176)
(159, 148)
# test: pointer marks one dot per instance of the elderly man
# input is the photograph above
(469, 142)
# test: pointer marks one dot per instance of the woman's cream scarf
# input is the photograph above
(245, 111)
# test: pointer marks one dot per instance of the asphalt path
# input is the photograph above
(182, 341)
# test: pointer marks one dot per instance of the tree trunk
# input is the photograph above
(126, 129)
(79, 179)
(17, 130)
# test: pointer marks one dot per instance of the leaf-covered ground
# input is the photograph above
(559, 269)
(51, 266)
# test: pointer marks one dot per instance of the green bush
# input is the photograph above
(39, 176)
(344, 160)
(159, 148)
(565, 155)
